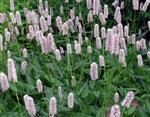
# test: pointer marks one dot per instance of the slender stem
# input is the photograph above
(18, 102)
(122, 112)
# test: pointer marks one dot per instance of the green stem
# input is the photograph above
(18, 102)
(122, 112)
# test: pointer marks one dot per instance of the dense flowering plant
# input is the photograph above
(74, 58)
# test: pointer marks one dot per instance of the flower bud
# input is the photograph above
(106, 11)
(59, 23)
(120, 30)
(115, 3)
(72, 14)
(30, 106)
(60, 94)
(24, 66)
(115, 45)
(69, 48)
(148, 54)
(138, 45)
(49, 20)
(141, 6)
(57, 55)
(102, 19)
(122, 58)
(12, 17)
(101, 61)
(116, 97)
(43, 24)
(65, 28)
(96, 30)
(94, 71)
(123, 45)
(39, 85)
(17, 31)
(25, 53)
(128, 99)
(98, 43)
(122, 5)
(8, 54)
(135, 4)
(78, 48)
(103, 32)
(145, 6)
(53, 106)
(90, 16)
(117, 15)
(89, 49)
(109, 39)
(140, 61)
(133, 38)
(12, 7)
(96, 7)
(115, 111)
(126, 31)
(12, 74)
(4, 82)
(80, 39)
(70, 100)
(1, 43)
(18, 18)
(89, 4)
(143, 44)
